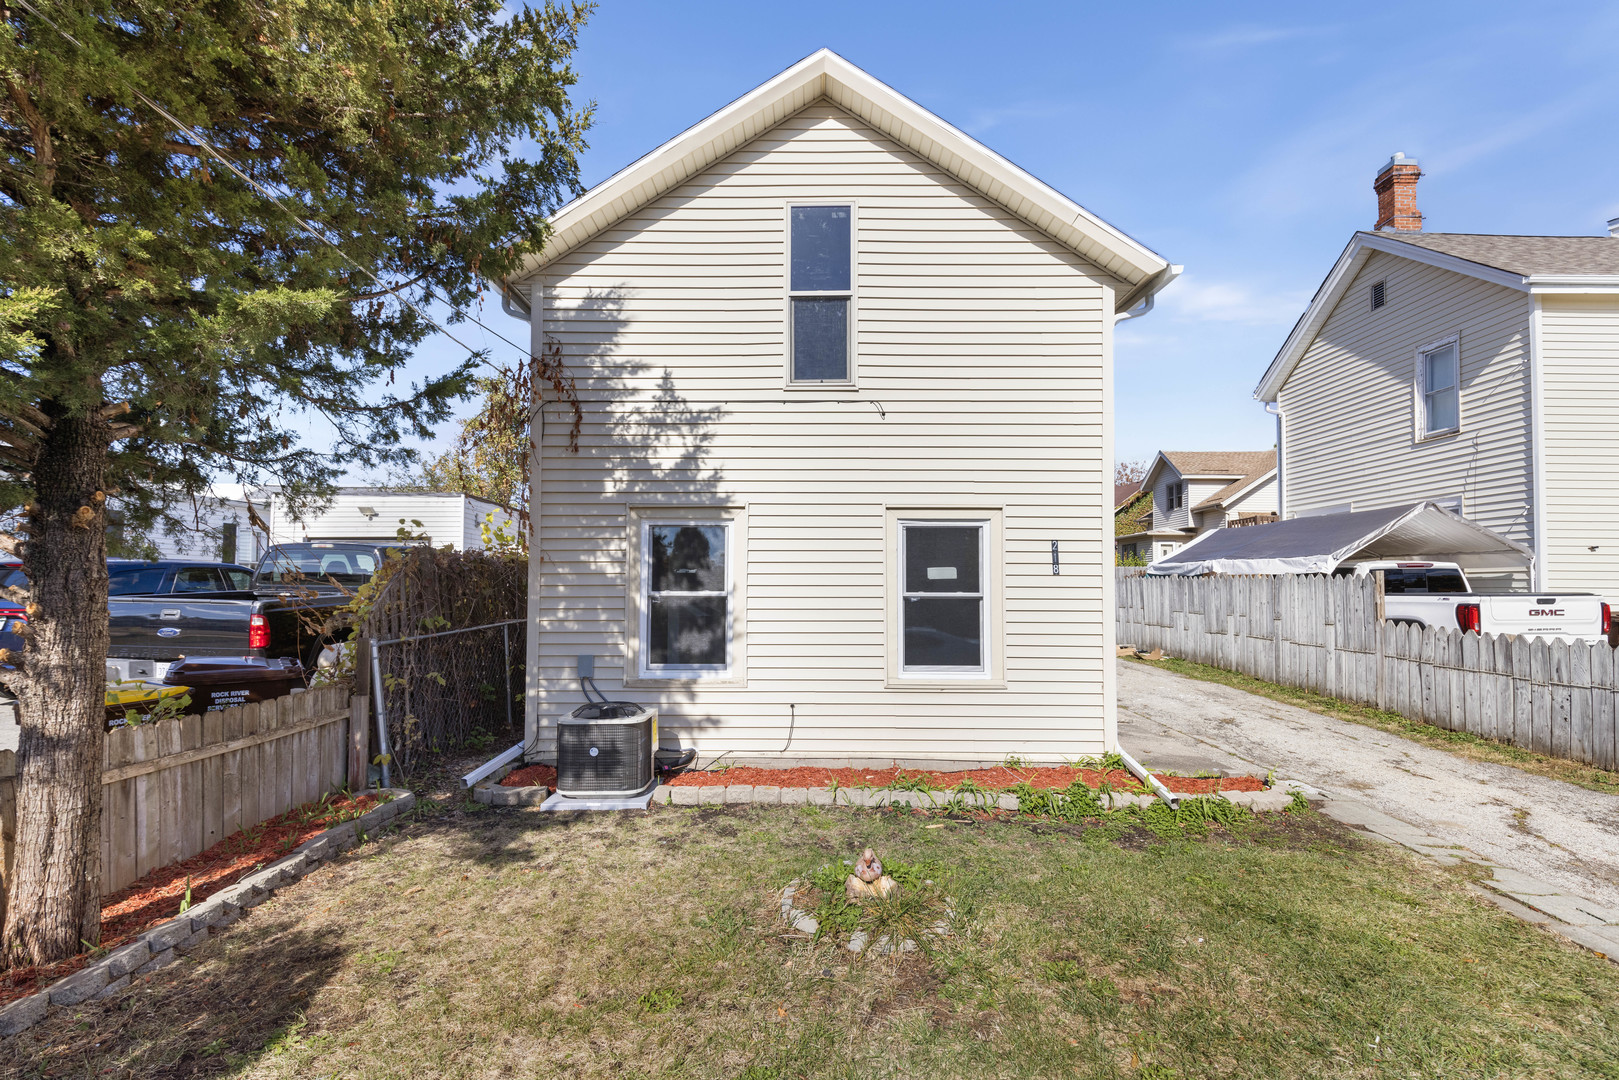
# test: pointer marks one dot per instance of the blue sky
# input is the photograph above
(1239, 140)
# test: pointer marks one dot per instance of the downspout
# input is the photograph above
(1275, 409)
(1154, 286)
(1537, 432)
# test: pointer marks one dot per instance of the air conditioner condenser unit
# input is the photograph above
(606, 749)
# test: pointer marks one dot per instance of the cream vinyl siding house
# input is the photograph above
(845, 380)
(1579, 339)
(1195, 491)
(1369, 417)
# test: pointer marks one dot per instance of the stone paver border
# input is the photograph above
(770, 795)
(161, 945)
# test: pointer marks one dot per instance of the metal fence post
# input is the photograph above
(506, 658)
(382, 714)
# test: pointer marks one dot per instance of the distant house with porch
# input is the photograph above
(1195, 491)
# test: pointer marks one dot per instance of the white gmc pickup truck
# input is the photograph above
(1437, 594)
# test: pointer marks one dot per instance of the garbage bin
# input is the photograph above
(140, 697)
(224, 682)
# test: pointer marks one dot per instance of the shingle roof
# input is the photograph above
(1522, 254)
(1236, 485)
(1123, 493)
(1220, 462)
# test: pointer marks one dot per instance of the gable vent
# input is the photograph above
(1379, 297)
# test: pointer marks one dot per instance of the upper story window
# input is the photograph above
(820, 294)
(1439, 380)
(1174, 496)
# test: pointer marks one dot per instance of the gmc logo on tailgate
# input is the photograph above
(1549, 612)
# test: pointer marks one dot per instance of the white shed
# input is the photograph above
(377, 514)
(846, 460)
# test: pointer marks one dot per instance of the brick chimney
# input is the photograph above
(1396, 187)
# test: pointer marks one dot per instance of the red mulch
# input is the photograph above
(157, 896)
(998, 777)
(531, 776)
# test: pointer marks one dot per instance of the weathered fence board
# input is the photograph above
(175, 788)
(1325, 635)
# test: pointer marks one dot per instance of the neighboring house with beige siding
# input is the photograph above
(846, 454)
(1196, 491)
(1420, 369)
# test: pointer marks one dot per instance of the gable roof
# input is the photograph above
(1123, 493)
(1239, 486)
(1529, 264)
(826, 75)
(1218, 463)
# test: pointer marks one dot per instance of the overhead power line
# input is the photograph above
(279, 199)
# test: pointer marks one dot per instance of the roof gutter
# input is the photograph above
(1140, 300)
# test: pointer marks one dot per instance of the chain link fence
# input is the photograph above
(438, 691)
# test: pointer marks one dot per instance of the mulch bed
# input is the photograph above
(531, 776)
(157, 896)
(997, 778)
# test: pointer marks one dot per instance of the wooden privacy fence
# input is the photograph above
(1327, 635)
(173, 789)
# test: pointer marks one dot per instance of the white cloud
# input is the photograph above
(982, 120)
(1249, 36)
(1194, 299)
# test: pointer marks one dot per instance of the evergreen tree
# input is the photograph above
(163, 323)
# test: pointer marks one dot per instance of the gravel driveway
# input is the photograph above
(1553, 831)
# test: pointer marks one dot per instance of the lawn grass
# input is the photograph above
(507, 942)
(1461, 743)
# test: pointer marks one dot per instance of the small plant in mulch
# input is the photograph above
(531, 776)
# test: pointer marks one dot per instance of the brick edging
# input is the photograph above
(161, 945)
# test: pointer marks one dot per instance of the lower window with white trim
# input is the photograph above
(684, 596)
(943, 592)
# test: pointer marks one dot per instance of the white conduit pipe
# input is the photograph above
(1150, 780)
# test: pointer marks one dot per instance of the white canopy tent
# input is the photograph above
(1317, 545)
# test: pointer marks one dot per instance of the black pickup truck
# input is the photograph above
(289, 607)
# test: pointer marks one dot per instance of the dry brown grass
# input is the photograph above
(510, 943)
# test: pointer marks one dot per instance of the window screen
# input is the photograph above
(942, 606)
(686, 598)
(820, 289)
(1441, 409)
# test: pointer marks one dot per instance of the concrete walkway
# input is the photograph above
(1554, 846)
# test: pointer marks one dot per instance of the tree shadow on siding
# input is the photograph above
(643, 447)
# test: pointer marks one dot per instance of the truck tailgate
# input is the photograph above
(1571, 616)
(167, 628)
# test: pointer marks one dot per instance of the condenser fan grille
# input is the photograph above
(605, 756)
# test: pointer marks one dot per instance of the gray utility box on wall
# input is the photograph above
(606, 748)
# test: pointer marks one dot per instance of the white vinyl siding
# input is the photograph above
(1260, 499)
(446, 518)
(1347, 407)
(1579, 345)
(982, 372)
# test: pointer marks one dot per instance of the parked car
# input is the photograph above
(288, 609)
(1437, 594)
(135, 577)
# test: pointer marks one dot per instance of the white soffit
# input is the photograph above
(1332, 290)
(825, 74)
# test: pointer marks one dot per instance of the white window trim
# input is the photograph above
(788, 295)
(637, 557)
(1419, 389)
(991, 574)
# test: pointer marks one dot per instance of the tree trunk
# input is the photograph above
(54, 900)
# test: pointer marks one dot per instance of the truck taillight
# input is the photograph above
(1607, 618)
(1468, 618)
(258, 632)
